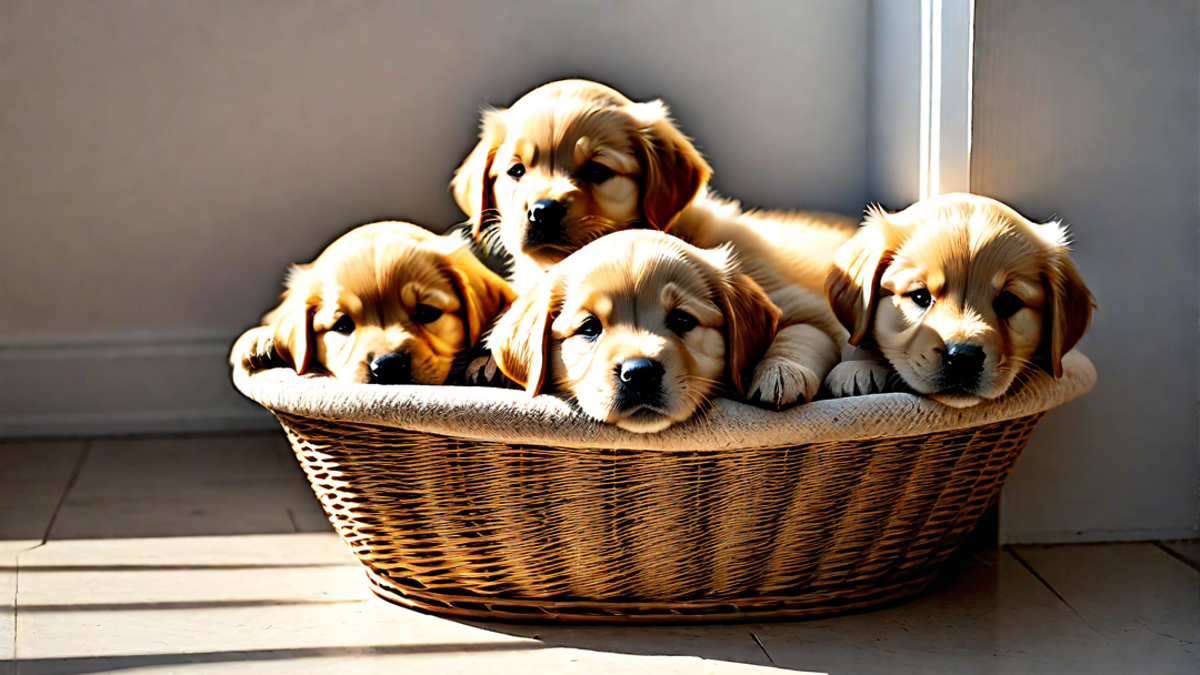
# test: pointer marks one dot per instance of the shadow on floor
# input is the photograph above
(106, 664)
(972, 570)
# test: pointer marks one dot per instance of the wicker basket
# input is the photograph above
(481, 503)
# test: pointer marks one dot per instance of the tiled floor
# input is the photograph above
(210, 555)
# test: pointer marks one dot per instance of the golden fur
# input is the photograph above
(991, 281)
(651, 176)
(645, 296)
(399, 289)
(555, 132)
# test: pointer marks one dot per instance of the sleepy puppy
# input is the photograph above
(570, 162)
(574, 160)
(957, 296)
(639, 328)
(386, 303)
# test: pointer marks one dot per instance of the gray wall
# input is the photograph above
(161, 163)
(164, 161)
(1089, 110)
(894, 103)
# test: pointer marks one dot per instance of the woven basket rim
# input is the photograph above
(508, 416)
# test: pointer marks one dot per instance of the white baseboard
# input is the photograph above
(1098, 536)
(136, 383)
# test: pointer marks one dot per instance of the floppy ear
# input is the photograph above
(853, 283)
(482, 292)
(673, 171)
(751, 321)
(521, 338)
(292, 322)
(293, 338)
(471, 185)
(1069, 306)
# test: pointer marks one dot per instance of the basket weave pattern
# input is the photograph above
(525, 531)
(485, 503)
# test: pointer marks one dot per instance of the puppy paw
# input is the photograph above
(779, 383)
(255, 350)
(482, 371)
(857, 378)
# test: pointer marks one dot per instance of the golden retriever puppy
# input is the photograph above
(956, 296)
(639, 328)
(386, 303)
(574, 160)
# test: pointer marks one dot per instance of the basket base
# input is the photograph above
(529, 533)
(523, 610)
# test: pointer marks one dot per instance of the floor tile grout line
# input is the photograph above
(16, 589)
(75, 471)
(764, 649)
(1178, 556)
(1038, 575)
(292, 517)
(62, 500)
(1046, 582)
(16, 601)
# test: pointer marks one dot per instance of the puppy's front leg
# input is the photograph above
(794, 366)
(865, 372)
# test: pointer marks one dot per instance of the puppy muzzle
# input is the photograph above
(391, 368)
(639, 384)
(962, 366)
(544, 226)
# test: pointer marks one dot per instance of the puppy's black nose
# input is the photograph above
(547, 213)
(392, 368)
(962, 363)
(641, 375)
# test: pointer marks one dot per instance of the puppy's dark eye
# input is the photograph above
(516, 171)
(920, 297)
(344, 325)
(1006, 304)
(680, 322)
(424, 314)
(594, 172)
(590, 328)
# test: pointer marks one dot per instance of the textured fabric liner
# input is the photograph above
(509, 416)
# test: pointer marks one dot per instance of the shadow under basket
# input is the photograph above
(482, 503)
